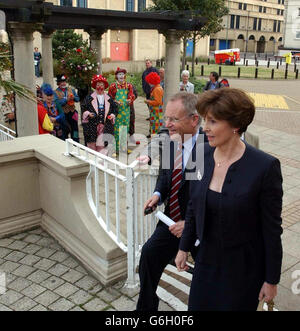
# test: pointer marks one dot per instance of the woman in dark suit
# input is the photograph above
(235, 212)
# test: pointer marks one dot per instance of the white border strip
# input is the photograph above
(172, 301)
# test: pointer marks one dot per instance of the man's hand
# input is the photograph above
(143, 159)
(152, 202)
(177, 228)
(91, 115)
(268, 292)
(146, 101)
(180, 261)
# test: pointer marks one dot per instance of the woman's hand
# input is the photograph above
(268, 292)
(180, 261)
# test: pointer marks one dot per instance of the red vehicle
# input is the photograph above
(227, 56)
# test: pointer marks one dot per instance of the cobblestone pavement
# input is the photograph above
(40, 275)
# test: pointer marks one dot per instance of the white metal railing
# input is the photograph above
(6, 133)
(116, 193)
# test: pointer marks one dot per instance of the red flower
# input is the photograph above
(78, 50)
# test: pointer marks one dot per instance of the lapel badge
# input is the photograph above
(199, 176)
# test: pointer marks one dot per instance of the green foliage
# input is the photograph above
(65, 40)
(5, 57)
(79, 65)
(198, 84)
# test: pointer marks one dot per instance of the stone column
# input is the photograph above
(47, 62)
(96, 44)
(172, 67)
(134, 45)
(26, 111)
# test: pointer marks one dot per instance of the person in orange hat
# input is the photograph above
(155, 103)
(122, 93)
(99, 112)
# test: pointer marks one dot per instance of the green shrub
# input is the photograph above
(198, 83)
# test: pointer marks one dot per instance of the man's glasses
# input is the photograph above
(174, 119)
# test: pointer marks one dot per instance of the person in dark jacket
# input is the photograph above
(213, 82)
(99, 112)
(234, 211)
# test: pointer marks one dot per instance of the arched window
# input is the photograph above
(130, 5)
(67, 3)
(141, 5)
(251, 37)
(280, 39)
(272, 39)
(240, 36)
(262, 38)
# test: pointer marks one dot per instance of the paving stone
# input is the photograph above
(31, 249)
(123, 304)
(59, 256)
(10, 297)
(30, 260)
(80, 297)
(6, 242)
(14, 256)
(61, 305)
(39, 308)
(96, 289)
(4, 252)
(45, 252)
(32, 238)
(82, 270)
(44, 264)
(87, 283)
(46, 298)
(58, 270)
(45, 234)
(4, 308)
(70, 262)
(19, 284)
(24, 304)
(39, 276)
(76, 308)
(72, 276)
(52, 283)
(18, 245)
(45, 242)
(66, 290)
(23, 271)
(286, 300)
(38, 231)
(95, 305)
(130, 292)
(33, 291)
(9, 266)
(56, 246)
(9, 277)
(108, 295)
(19, 236)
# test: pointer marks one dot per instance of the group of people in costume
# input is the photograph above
(103, 114)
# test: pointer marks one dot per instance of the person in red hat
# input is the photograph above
(99, 113)
(155, 103)
(122, 93)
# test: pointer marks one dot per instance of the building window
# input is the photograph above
(130, 5)
(274, 26)
(237, 22)
(278, 11)
(278, 26)
(283, 2)
(255, 23)
(265, 9)
(279, 2)
(141, 5)
(245, 6)
(232, 18)
(260, 9)
(297, 34)
(67, 3)
(259, 25)
(299, 12)
(82, 3)
(240, 5)
(282, 12)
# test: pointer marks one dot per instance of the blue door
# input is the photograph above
(189, 47)
(224, 44)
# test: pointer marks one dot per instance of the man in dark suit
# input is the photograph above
(182, 122)
(213, 82)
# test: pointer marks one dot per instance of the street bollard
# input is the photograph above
(295, 67)
(202, 70)
(187, 67)
(196, 61)
(281, 61)
(268, 65)
(208, 60)
(220, 71)
(247, 63)
(277, 65)
(256, 72)
(286, 74)
(272, 74)
(297, 72)
(239, 72)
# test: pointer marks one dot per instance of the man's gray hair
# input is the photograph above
(185, 73)
(189, 102)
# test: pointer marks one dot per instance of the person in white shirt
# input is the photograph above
(185, 85)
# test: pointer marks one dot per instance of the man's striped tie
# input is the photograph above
(176, 180)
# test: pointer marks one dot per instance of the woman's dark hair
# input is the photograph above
(228, 104)
(214, 74)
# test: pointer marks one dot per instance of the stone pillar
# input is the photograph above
(26, 111)
(134, 44)
(96, 44)
(47, 62)
(172, 67)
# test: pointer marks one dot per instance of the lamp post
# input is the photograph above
(247, 26)
(227, 26)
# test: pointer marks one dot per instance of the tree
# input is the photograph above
(65, 40)
(213, 10)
